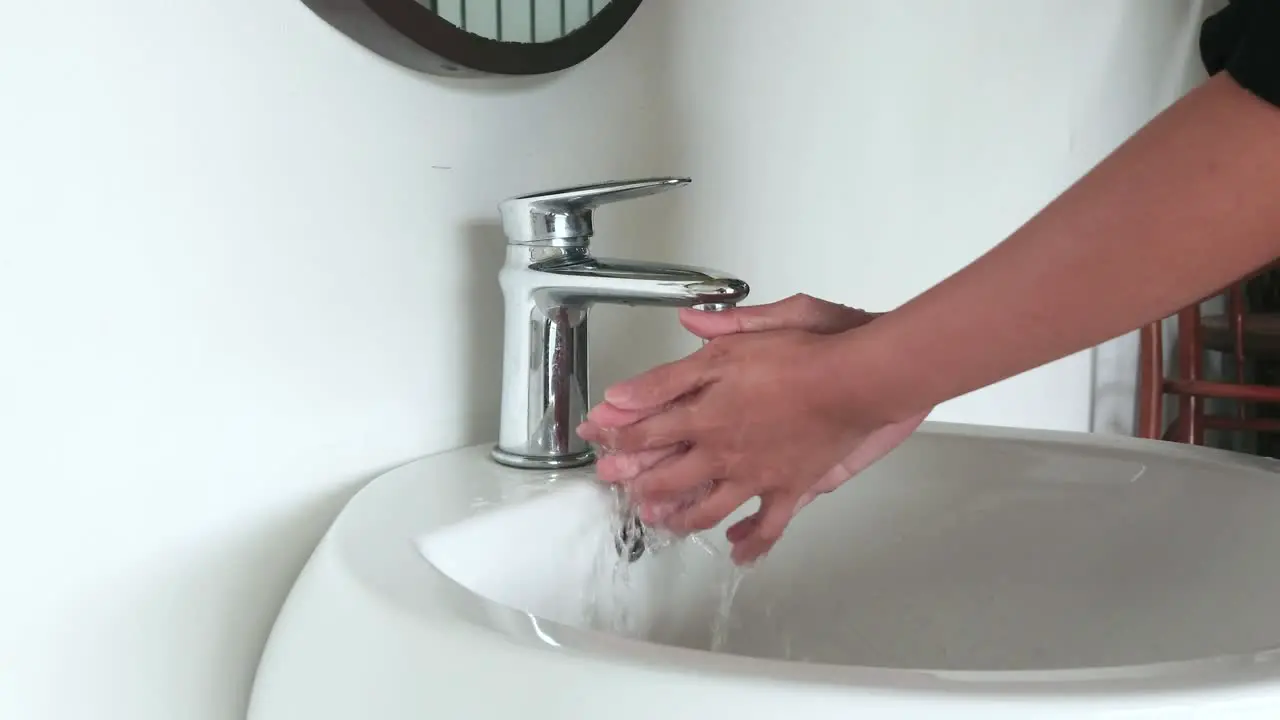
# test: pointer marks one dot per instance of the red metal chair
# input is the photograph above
(1238, 333)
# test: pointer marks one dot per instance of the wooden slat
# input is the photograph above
(1229, 391)
(1219, 422)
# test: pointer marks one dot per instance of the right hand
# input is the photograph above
(799, 312)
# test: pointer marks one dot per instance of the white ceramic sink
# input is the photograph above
(974, 572)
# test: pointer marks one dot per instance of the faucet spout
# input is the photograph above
(578, 279)
(549, 293)
(550, 281)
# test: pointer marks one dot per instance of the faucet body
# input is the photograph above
(549, 285)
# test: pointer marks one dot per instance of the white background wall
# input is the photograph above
(246, 265)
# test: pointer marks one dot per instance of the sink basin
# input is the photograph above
(974, 572)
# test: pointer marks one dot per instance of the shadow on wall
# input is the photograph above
(282, 546)
(241, 581)
(482, 301)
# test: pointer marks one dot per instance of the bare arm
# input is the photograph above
(1184, 207)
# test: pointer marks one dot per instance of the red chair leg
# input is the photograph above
(1235, 315)
(1150, 379)
(1190, 407)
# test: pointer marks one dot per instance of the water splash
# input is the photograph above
(537, 484)
(720, 624)
(634, 598)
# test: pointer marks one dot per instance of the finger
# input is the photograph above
(661, 385)
(673, 426)
(774, 514)
(741, 530)
(615, 468)
(750, 550)
(723, 499)
(800, 312)
(677, 476)
(805, 500)
(609, 415)
(657, 512)
(602, 419)
(591, 432)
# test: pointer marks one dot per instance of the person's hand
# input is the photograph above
(745, 416)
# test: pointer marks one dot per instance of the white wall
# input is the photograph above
(246, 265)
(863, 151)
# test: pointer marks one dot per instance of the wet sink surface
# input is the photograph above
(1006, 555)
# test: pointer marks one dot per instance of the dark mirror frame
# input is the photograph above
(408, 33)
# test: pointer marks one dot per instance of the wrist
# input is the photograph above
(873, 375)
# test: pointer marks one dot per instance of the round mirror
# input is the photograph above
(479, 37)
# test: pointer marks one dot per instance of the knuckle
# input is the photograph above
(798, 300)
(811, 309)
(805, 300)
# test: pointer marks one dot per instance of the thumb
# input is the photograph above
(795, 312)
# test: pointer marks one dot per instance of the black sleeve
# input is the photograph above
(1244, 40)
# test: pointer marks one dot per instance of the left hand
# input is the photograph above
(749, 415)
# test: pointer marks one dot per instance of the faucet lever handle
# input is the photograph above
(562, 218)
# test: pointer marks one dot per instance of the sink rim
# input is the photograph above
(436, 599)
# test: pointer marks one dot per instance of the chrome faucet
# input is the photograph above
(549, 282)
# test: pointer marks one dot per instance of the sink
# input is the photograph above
(974, 572)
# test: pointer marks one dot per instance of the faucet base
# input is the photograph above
(542, 462)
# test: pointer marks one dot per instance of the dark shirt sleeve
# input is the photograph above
(1243, 39)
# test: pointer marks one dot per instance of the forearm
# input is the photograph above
(1183, 208)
